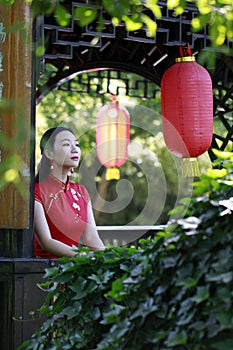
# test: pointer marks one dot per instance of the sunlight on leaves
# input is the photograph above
(115, 21)
(132, 23)
(85, 15)
(218, 34)
(151, 26)
(150, 4)
(172, 3)
(216, 173)
(200, 22)
(222, 155)
(62, 15)
(204, 6)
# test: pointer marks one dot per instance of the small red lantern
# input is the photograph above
(187, 107)
(112, 137)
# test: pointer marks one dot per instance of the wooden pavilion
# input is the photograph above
(74, 50)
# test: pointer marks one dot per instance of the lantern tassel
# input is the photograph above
(112, 174)
(190, 167)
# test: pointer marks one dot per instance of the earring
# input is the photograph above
(51, 165)
(72, 170)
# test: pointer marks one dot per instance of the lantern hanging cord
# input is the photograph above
(185, 51)
(185, 54)
(113, 97)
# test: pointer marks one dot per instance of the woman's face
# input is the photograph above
(66, 152)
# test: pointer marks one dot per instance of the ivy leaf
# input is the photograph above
(63, 278)
(51, 271)
(95, 313)
(220, 277)
(144, 309)
(188, 282)
(118, 330)
(72, 311)
(223, 345)
(189, 223)
(201, 295)
(228, 203)
(177, 338)
(112, 315)
(117, 288)
(225, 318)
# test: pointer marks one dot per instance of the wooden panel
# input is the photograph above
(15, 79)
(19, 296)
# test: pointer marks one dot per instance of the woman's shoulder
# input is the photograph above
(39, 186)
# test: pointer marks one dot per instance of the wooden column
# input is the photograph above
(15, 126)
(19, 272)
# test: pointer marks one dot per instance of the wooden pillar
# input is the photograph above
(15, 130)
(19, 272)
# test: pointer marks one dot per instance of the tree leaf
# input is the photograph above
(151, 26)
(132, 23)
(85, 15)
(62, 16)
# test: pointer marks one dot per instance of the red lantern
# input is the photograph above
(187, 107)
(112, 138)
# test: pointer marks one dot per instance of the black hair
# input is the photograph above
(47, 143)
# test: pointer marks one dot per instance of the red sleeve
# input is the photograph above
(37, 193)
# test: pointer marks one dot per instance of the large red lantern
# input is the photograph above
(112, 138)
(187, 107)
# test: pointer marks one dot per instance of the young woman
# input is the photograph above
(63, 212)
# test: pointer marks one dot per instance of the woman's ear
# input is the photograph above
(48, 154)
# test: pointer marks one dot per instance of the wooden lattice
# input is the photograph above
(73, 50)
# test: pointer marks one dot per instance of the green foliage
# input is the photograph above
(217, 15)
(173, 292)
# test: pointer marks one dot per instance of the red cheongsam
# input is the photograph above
(65, 207)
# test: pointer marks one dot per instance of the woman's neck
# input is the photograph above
(61, 175)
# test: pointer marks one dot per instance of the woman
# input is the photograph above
(63, 212)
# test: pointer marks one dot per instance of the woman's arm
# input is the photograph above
(91, 237)
(44, 236)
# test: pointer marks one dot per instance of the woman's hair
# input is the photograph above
(47, 143)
